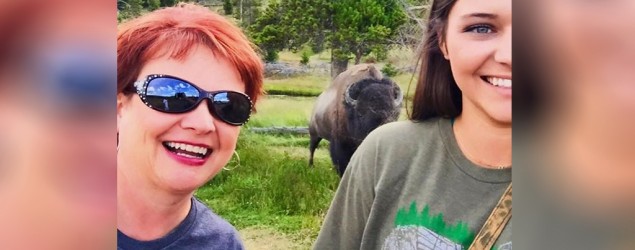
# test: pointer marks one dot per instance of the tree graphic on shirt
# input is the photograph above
(458, 232)
(416, 229)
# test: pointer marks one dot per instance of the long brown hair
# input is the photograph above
(436, 94)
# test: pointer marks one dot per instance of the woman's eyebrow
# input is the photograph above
(480, 15)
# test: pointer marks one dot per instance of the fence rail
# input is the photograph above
(281, 130)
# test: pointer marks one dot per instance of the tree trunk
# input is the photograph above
(338, 65)
(358, 58)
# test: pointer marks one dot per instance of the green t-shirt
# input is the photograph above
(408, 186)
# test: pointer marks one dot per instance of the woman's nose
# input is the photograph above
(503, 53)
(200, 120)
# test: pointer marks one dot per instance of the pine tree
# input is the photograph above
(228, 7)
(349, 28)
(153, 4)
(168, 3)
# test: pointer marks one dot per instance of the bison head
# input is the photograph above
(370, 103)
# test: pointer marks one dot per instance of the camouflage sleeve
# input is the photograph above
(346, 219)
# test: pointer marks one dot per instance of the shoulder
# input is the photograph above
(398, 148)
(211, 228)
(405, 133)
(208, 219)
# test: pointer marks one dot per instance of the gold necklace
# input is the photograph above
(480, 163)
(499, 167)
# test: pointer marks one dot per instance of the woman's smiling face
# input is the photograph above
(477, 42)
(145, 133)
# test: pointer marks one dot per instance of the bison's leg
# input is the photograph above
(313, 144)
(340, 155)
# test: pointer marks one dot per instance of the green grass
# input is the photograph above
(290, 91)
(403, 80)
(283, 111)
(273, 186)
(313, 84)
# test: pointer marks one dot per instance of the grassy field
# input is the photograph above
(273, 186)
(310, 85)
(283, 111)
(273, 189)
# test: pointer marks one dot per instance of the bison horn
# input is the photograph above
(399, 97)
(348, 97)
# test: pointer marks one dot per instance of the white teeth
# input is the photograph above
(500, 82)
(186, 155)
(188, 147)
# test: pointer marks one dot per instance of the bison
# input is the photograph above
(358, 100)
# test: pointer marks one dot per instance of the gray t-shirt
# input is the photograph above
(201, 229)
(408, 186)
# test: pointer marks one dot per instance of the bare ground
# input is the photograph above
(261, 238)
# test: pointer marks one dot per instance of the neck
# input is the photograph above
(145, 212)
(485, 142)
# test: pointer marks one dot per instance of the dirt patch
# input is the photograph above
(260, 238)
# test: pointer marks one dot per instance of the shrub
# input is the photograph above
(228, 8)
(380, 53)
(390, 70)
(305, 57)
(271, 56)
(153, 4)
(370, 59)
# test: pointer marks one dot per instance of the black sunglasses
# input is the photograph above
(173, 95)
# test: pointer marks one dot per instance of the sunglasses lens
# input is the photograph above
(171, 95)
(232, 107)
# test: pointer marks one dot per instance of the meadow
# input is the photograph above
(271, 187)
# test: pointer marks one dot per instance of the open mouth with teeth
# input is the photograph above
(187, 150)
(498, 82)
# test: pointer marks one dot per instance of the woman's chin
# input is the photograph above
(504, 119)
(183, 184)
(501, 115)
(177, 176)
(184, 181)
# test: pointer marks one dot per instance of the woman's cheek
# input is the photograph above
(465, 62)
(229, 137)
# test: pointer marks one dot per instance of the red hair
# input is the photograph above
(175, 31)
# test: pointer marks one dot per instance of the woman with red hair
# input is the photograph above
(187, 80)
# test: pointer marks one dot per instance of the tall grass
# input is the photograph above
(283, 111)
(307, 83)
(274, 186)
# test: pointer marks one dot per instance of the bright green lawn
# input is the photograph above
(283, 111)
(309, 85)
(274, 187)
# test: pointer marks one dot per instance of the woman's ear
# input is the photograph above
(442, 46)
(122, 100)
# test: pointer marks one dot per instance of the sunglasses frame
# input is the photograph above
(141, 87)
